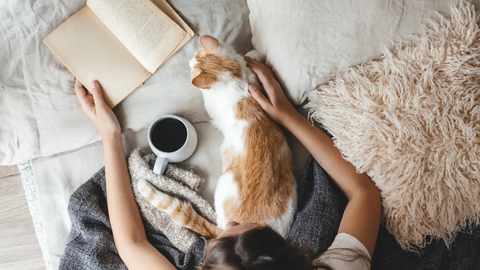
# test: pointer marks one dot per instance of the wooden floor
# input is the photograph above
(19, 248)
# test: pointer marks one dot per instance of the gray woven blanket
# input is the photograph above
(90, 244)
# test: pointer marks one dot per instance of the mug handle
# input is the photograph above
(160, 165)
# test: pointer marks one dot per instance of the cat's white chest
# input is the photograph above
(221, 106)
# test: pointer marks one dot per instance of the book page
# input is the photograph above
(91, 52)
(149, 34)
(170, 12)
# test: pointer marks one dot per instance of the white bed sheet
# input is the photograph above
(59, 176)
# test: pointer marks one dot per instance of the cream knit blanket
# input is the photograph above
(177, 182)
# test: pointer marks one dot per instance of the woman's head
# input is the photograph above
(252, 246)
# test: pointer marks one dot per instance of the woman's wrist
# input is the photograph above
(111, 137)
(291, 120)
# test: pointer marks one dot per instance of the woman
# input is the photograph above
(243, 246)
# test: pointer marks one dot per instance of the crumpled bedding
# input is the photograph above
(39, 112)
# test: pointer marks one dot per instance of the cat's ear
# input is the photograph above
(209, 44)
(204, 81)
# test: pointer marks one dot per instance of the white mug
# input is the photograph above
(172, 155)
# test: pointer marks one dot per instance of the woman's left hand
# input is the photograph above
(97, 110)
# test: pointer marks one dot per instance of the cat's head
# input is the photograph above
(215, 62)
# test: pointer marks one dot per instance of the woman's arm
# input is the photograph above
(362, 215)
(128, 231)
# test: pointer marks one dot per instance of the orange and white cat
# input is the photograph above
(257, 184)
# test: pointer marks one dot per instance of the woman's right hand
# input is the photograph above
(276, 104)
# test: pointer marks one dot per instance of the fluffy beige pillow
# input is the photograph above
(411, 120)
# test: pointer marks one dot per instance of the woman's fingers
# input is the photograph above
(89, 102)
(85, 100)
(79, 91)
(262, 67)
(262, 74)
(259, 97)
(265, 75)
(96, 90)
(255, 65)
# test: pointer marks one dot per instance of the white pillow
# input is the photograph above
(39, 113)
(309, 42)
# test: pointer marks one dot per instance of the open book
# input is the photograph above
(120, 43)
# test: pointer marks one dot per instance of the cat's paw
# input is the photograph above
(253, 54)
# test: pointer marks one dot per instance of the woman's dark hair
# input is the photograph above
(263, 248)
(260, 248)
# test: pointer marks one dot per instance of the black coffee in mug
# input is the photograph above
(168, 135)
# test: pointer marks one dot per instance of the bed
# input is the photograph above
(43, 128)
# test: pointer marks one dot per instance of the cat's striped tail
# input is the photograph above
(182, 213)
